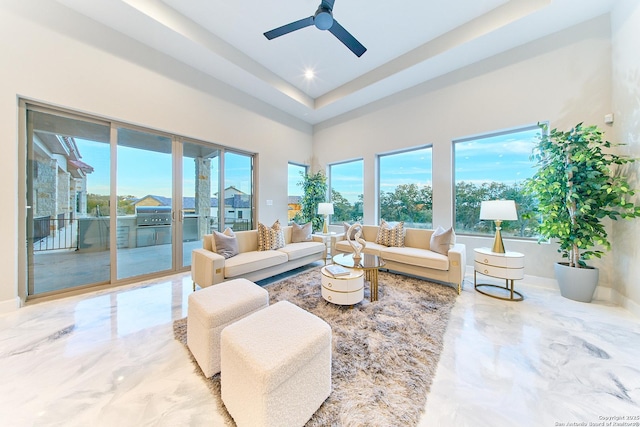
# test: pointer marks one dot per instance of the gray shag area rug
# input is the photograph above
(384, 353)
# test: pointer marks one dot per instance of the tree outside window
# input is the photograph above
(347, 189)
(406, 187)
(492, 167)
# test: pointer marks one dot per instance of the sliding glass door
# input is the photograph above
(238, 192)
(109, 203)
(68, 185)
(145, 216)
(199, 211)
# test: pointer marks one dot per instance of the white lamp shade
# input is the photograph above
(325, 208)
(504, 210)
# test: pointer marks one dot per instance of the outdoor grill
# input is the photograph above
(153, 225)
(153, 215)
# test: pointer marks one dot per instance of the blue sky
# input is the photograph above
(148, 172)
(502, 158)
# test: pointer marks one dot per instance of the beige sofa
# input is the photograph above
(209, 268)
(415, 257)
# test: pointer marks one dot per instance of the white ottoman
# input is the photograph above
(276, 366)
(215, 307)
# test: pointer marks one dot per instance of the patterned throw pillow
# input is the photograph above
(270, 238)
(388, 236)
(301, 233)
(442, 240)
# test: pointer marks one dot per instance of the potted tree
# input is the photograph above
(314, 191)
(577, 185)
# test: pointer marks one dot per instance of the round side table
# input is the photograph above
(508, 266)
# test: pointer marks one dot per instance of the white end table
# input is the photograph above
(508, 266)
(343, 290)
(329, 239)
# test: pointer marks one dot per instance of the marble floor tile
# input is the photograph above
(109, 358)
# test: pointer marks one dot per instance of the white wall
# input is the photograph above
(625, 29)
(564, 78)
(56, 56)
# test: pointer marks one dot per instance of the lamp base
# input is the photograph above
(498, 246)
(325, 226)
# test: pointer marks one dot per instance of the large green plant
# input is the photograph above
(577, 185)
(314, 188)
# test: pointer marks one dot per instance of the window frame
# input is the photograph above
(489, 224)
(329, 174)
(379, 156)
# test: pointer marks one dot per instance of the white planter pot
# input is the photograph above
(577, 284)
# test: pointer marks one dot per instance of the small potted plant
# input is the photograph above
(577, 185)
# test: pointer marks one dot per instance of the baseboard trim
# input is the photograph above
(615, 297)
(10, 305)
(602, 293)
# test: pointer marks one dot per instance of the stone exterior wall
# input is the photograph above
(64, 196)
(45, 180)
(203, 194)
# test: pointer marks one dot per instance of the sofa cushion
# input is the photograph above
(391, 236)
(302, 249)
(301, 233)
(248, 262)
(417, 257)
(442, 240)
(270, 237)
(226, 244)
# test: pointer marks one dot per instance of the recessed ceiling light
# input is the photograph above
(309, 74)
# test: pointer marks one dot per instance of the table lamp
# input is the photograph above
(498, 211)
(325, 209)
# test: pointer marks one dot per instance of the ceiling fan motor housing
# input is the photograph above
(323, 19)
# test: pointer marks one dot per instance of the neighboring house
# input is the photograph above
(294, 207)
(59, 183)
(237, 205)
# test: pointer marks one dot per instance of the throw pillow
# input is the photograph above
(391, 236)
(226, 243)
(353, 232)
(442, 240)
(301, 233)
(270, 237)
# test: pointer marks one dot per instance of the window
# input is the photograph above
(491, 167)
(347, 188)
(296, 172)
(406, 187)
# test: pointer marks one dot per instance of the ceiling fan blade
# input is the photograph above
(286, 29)
(347, 39)
(328, 4)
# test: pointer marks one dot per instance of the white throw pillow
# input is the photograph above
(226, 244)
(442, 240)
(301, 233)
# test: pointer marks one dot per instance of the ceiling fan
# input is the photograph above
(323, 20)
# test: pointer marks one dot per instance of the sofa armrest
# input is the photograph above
(457, 264)
(207, 268)
(320, 239)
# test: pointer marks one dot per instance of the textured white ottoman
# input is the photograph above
(215, 307)
(276, 366)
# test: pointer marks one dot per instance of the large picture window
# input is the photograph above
(295, 179)
(491, 167)
(406, 187)
(347, 188)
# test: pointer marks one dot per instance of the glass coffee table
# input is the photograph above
(369, 263)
